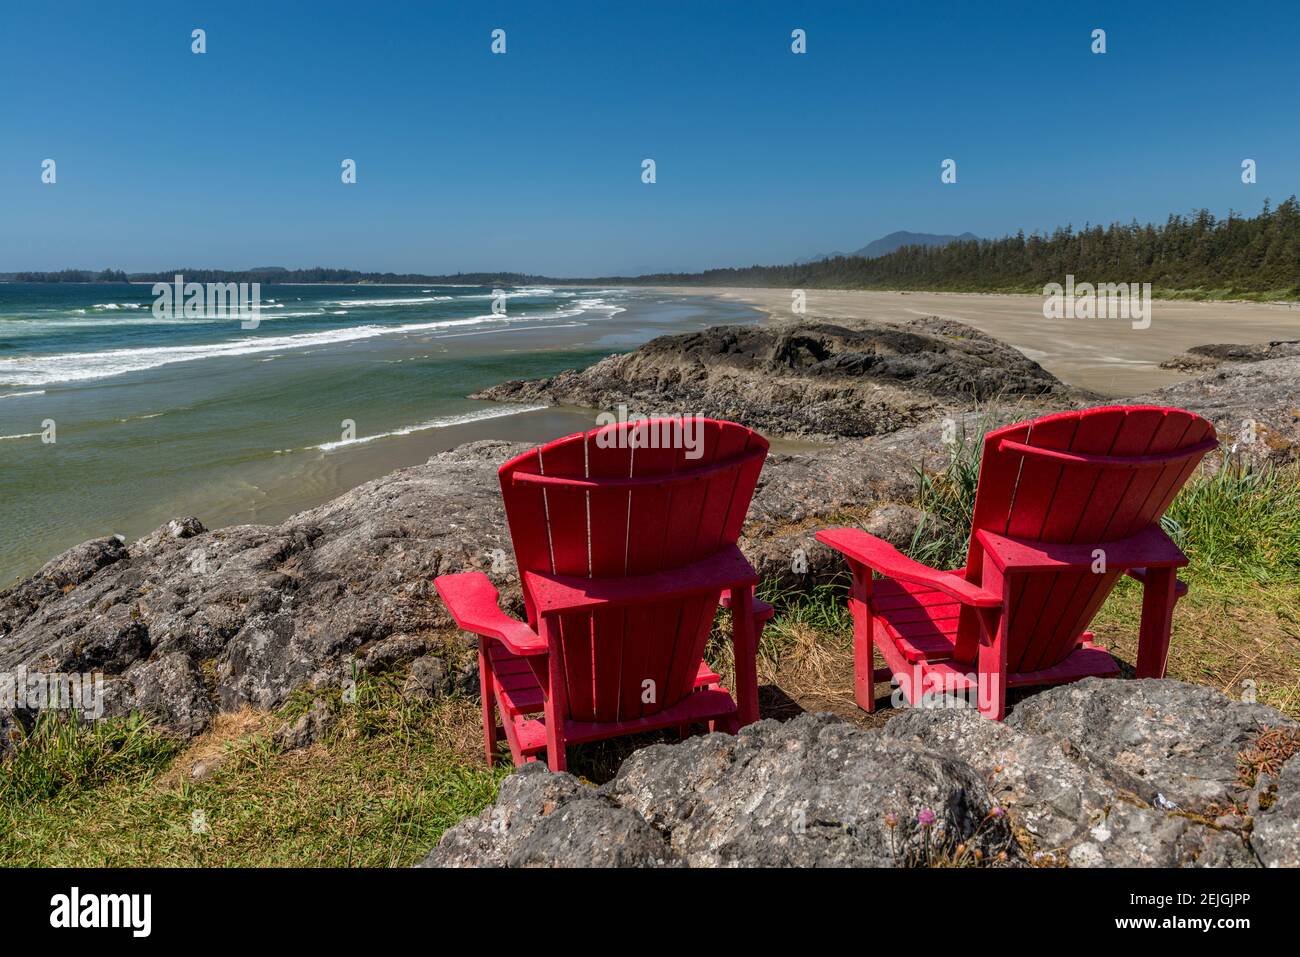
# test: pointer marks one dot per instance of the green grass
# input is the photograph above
(378, 791)
(1240, 524)
(948, 495)
(62, 759)
(1238, 629)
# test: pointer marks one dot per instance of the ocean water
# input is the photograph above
(153, 418)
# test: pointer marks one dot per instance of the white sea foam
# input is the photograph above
(441, 423)
(20, 435)
(512, 294)
(417, 301)
(81, 366)
(14, 395)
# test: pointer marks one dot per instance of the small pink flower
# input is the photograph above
(891, 820)
(926, 817)
(997, 811)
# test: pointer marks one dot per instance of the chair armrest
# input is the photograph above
(878, 555)
(1149, 548)
(473, 603)
(561, 594)
(1180, 586)
(762, 610)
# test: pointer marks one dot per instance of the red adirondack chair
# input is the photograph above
(1066, 504)
(626, 543)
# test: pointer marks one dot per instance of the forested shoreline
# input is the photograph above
(1196, 255)
(1230, 256)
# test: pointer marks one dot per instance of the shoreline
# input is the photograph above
(1103, 356)
(338, 470)
(280, 448)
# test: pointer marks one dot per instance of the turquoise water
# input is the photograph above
(154, 417)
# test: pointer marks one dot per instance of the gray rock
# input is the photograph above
(1058, 783)
(264, 609)
(1276, 835)
(814, 791)
(12, 731)
(1069, 786)
(1200, 358)
(1167, 742)
(307, 729)
(426, 680)
(899, 524)
(170, 534)
(1255, 407)
(171, 688)
(204, 768)
(811, 792)
(390, 652)
(534, 823)
(805, 378)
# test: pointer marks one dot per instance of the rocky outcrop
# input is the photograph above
(1100, 773)
(1201, 358)
(186, 622)
(805, 378)
(1255, 407)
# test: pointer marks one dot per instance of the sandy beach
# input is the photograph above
(1107, 356)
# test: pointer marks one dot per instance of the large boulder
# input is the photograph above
(186, 621)
(1200, 358)
(814, 791)
(1099, 773)
(1276, 835)
(534, 822)
(803, 378)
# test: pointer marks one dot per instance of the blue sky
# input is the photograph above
(531, 161)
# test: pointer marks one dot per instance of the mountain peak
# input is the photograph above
(895, 240)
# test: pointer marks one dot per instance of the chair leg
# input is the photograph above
(745, 645)
(991, 684)
(729, 725)
(864, 650)
(1158, 596)
(488, 699)
(555, 705)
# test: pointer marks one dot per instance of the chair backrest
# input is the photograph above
(630, 499)
(1083, 477)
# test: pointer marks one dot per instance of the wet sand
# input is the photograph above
(1107, 356)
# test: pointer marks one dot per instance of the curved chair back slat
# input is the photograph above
(1090, 476)
(629, 499)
